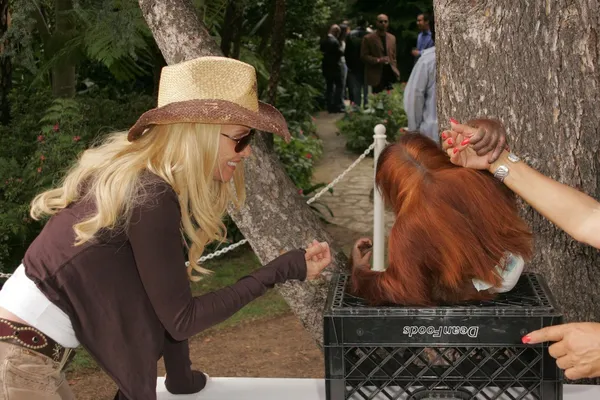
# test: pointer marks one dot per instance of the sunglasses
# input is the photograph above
(382, 21)
(241, 143)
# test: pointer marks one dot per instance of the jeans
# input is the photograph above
(27, 375)
(359, 90)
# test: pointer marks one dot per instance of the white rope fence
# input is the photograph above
(378, 144)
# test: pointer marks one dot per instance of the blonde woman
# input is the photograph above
(577, 345)
(108, 270)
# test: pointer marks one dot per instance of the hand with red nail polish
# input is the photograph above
(576, 348)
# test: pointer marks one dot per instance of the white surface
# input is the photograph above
(378, 209)
(302, 389)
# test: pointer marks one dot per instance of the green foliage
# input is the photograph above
(43, 140)
(384, 108)
(298, 157)
(115, 34)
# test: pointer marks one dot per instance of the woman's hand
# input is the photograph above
(577, 347)
(361, 253)
(486, 139)
(318, 257)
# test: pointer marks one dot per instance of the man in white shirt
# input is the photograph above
(419, 96)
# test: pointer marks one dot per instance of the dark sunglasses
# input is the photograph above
(241, 143)
(383, 21)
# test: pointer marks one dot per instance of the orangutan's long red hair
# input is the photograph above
(453, 224)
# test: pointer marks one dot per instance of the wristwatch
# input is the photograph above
(502, 171)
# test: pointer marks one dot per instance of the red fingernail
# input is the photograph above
(465, 142)
(455, 150)
(450, 142)
(444, 136)
(526, 339)
(453, 121)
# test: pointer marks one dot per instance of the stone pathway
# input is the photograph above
(350, 202)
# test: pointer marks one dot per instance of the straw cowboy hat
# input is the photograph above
(211, 90)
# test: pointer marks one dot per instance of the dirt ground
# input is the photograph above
(277, 347)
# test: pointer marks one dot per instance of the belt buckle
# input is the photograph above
(59, 358)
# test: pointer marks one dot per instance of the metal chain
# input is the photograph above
(310, 201)
(342, 175)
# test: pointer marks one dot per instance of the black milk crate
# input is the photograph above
(469, 351)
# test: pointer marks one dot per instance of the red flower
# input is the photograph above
(42, 157)
(55, 127)
(388, 91)
(308, 155)
(76, 138)
(300, 191)
(40, 138)
(39, 170)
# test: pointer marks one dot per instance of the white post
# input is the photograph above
(378, 211)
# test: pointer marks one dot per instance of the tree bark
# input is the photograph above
(227, 32)
(274, 219)
(535, 65)
(277, 48)
(5, 66)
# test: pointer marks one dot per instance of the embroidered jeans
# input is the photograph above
(27, 375)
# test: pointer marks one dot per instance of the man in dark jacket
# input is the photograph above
(378, 52)
(332, 70)
(357, 87)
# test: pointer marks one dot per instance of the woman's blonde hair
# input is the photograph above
(184, 155)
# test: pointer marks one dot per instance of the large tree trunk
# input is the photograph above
(5, 66)
(275, 219)
(536, 66)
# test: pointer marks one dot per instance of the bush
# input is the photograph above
(384, 108)
(298, 158)
(42, 141)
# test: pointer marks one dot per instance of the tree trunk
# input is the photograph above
(5, 66)
(277, 48)
(227, 32)
(274, 219)
(535, 65)
(63, 71)
(237, 35)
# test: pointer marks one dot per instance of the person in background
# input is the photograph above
(420, 98)
(480, 145)
(332, 70)
(425, 39)
(357, 88)
(344, 32)
(378, 52)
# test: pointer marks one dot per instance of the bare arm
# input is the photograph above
(571, 210)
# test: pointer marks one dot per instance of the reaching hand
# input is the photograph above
(361, 253)
(577, 347)
(318, 257)
(487, 137)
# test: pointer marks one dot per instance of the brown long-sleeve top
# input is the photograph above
(127, 293)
